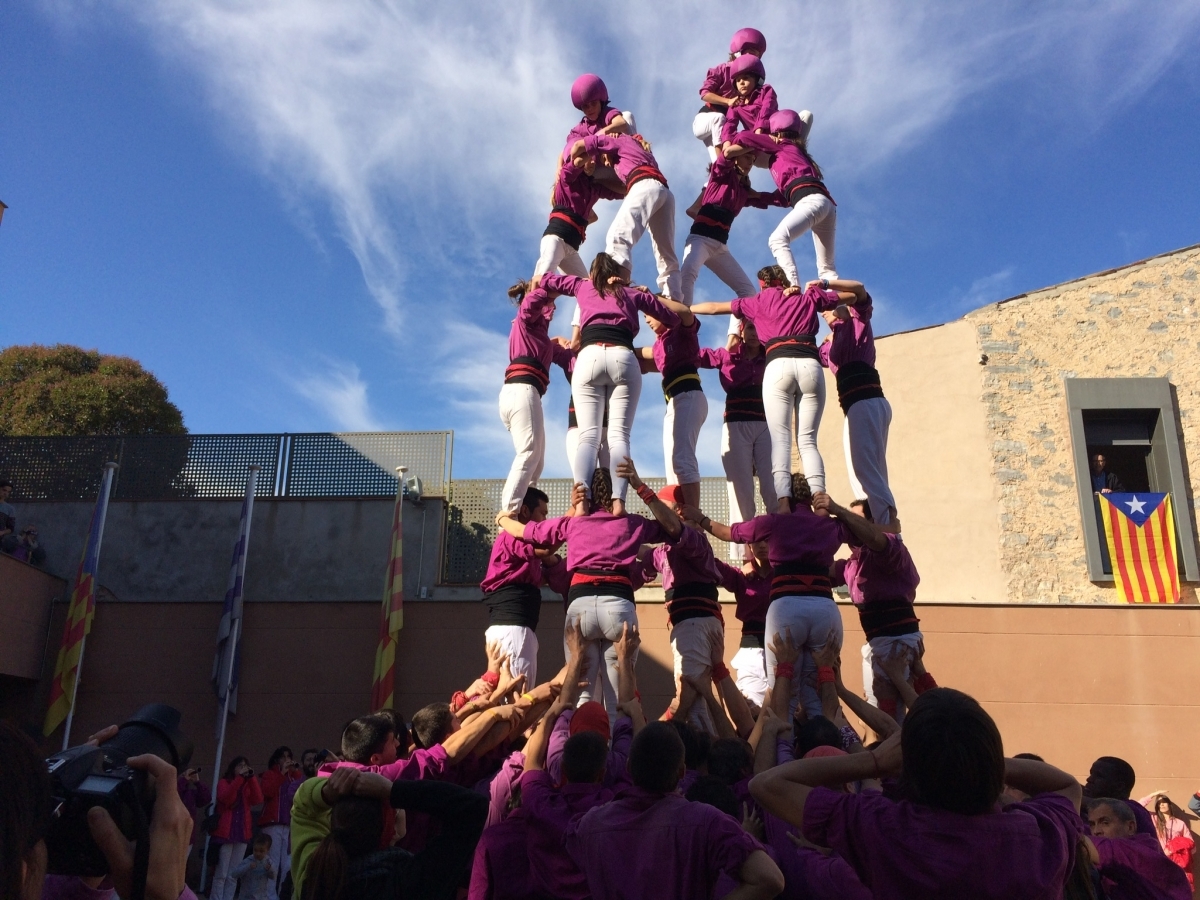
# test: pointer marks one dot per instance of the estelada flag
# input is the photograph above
(79, 622)
(1141, 544)
(391, 615)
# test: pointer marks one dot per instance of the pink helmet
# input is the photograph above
(748, 65)
(790, 120)
(748, 39)
(588, 88)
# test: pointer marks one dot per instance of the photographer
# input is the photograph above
(25, 817)
(279, 785)
(237, 791)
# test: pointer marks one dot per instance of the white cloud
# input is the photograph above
(986, 290)
(340, 395)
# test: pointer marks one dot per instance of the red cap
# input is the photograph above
(591, 716)
(672, 493)
(823, 750)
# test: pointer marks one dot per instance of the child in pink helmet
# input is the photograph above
(718, 91)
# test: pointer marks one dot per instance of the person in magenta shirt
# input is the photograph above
(949, 839)
(576, 191)
(849, 353)
(651, 841)
(607, 375)
(786, 319)
(751, 587)
(801, 183)
(755, 103)
(719, 92)
(1131, 864)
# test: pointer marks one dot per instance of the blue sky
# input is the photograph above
(302, 215)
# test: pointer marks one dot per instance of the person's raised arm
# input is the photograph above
(460, 744)
(712, 308)
(787, 654)
(716, 99)
(769, 726)
(617, 126)
(844, 286)
(826, 658)
(759, 877)
(627, 698)
(872, 716)
(704, 689)
(893, 666)
(735, 702)
(867, 532)
(1035, 777)
(718, 530)
(664, 515)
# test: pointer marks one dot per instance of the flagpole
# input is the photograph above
(105, 487)
(234, 634)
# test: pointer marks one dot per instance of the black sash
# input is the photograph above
(800, 580)
(714, 222)
(528, 370)
(680, 381)
(754, 634)
(802, 187)
(567, 225)
(792, 346)
(888, 618)
(856, 381)
(514, 604)
(607, 334)
(745, 404)
(693, 600)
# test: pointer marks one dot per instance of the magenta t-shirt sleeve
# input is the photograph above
(709, 358)
(537, 793)
(729, 846)
(421, 764)
(752, 141)
(534, 304)
(713, 80)
(823, 300)
(830, 819)
(766, 105)
(548, 532)
(602, 142)
(650, 304)
(558, 740)
(756, 529)
(560, 284)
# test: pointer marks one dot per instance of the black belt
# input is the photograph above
(796, 579)
(514, 604)
(680, 381)
(528, 370)
(569, 226)
(802, 187)
(856, 381)
(792, 346)
(745, 404)
(713, 221)
(606, 334)
(888, 618)
(692, 600)
(594, 582)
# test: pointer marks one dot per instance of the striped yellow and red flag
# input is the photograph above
(391, 616)
(1140, 529)
(79, 616)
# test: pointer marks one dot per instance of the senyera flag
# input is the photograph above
(1140, 529)
(391, 616)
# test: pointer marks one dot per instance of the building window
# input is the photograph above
(1124, 435)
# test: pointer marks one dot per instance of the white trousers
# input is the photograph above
(681, 430)
(696, 645)
(707, 127)
(223, 884)
(745, 450)
(815, 213)
(280, 855)
(602, 458)
(878, 649)
(750, 663)
(649, 206)
(604, 375)
(814, 623)
(521, 413)
(557, 254)
(700, 251)
(601, 619)
(865, 438)
(794, 387)
(520, 645)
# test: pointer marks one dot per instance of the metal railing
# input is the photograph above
(213, 466)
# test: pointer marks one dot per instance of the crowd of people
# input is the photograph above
(751, 783)
(19, 541)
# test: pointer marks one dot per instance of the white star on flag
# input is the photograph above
(1135, 505)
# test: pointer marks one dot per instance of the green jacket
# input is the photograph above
(310, 825)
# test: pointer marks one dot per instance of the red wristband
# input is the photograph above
(924, 683)
(491, 678)
(825, 675)
(720, 672)
(647, 494)
(668, 715)
(458, 701)
(784, 670)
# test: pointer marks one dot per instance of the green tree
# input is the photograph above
(66, 390)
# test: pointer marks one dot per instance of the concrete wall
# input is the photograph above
(300, 550)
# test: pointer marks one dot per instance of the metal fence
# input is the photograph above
(213, 466)
(471, 519)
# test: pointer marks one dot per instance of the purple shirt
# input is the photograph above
(756, 113)
(727, 189)
(558, 577)
(616, 774)
(626, 152)
(852, 341)
(501, 869)
(719, 80)
(873, 575)
(586, 128)
(578, 191)
(906, 851)
(689, 560)
(644, 839)
(1135, 868)
(753, 592)
(500, 788)
(529, 334)
(551, 812)
(618, 307)
(809, 874)
(734, 368)
(419, 765)
(513, 561)
(800, 536)
(598, 541)
(788, 163)
(775, 315)
(678, 348)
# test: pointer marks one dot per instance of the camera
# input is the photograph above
(83, 777)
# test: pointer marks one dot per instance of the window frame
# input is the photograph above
(1112, 394)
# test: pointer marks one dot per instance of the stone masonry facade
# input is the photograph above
(1142, 320)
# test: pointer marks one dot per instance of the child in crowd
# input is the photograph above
(256, 873)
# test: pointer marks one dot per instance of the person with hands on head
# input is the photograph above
(237, 791)
(883, 580)
(949, 839)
